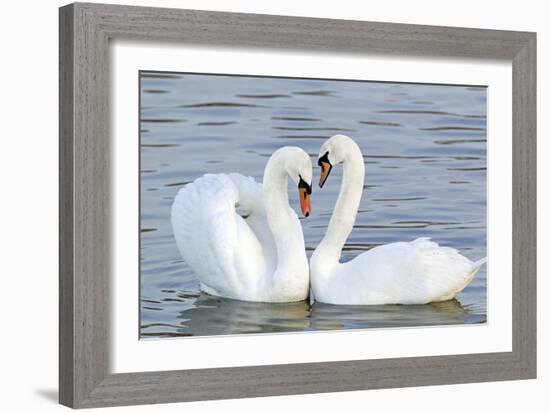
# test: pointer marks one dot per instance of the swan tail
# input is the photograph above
(476, 266)
(473, 272)
(479, 263)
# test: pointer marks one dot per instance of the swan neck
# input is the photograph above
(280, 218)
(345, 210)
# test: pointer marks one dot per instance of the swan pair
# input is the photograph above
(243, 241)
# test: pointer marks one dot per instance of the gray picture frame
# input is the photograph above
(85, 33)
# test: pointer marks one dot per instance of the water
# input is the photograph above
(425, 154)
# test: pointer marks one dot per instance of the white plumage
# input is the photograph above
(414, 272)
(259, 256)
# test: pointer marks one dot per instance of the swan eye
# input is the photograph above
(323, 159)
(303, 185)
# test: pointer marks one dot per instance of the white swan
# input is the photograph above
(259, 257)
(414, 272)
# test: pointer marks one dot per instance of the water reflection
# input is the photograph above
(211, 315)
(328, 317)
(218, 316)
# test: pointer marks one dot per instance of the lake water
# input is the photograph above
(425, 154)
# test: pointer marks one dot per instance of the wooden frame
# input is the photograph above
(85, 31)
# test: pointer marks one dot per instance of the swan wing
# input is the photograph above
(442, 271)
(414, 272)
(215, 241)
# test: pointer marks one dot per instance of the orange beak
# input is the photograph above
(326, 167)
(305, 202)
(304, 190)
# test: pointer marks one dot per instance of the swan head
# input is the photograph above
(333, 152)
(297, 165)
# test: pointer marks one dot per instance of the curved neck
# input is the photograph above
(344, 214)
(281, 220)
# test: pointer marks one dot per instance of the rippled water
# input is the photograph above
(425, 152)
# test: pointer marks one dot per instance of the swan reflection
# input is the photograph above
(211, 315)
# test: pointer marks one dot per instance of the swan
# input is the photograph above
(416, 272)
(259, 256)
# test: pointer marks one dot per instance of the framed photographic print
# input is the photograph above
(258, 205)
